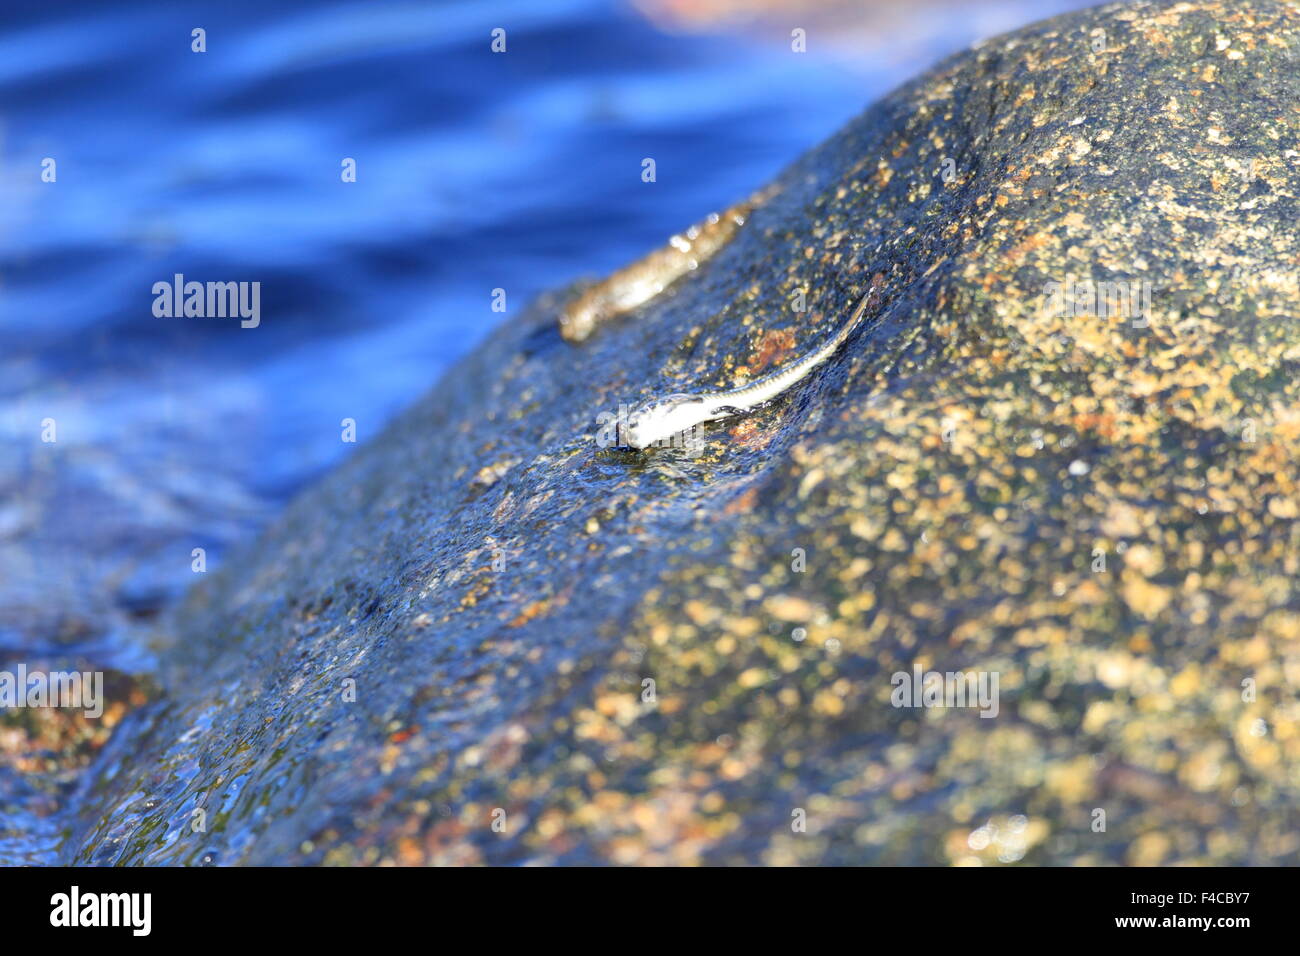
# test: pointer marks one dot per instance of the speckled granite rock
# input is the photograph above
(1100, 509)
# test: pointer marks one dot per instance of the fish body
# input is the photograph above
(664, 417)
(639, 282)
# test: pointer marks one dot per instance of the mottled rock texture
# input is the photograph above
(1099, 506)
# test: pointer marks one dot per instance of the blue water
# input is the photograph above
(476, 171)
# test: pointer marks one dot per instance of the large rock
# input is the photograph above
(1092, 501)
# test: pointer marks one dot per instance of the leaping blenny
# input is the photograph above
(662, 418)
(639, 282)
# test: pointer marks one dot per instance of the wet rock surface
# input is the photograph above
(441, 653)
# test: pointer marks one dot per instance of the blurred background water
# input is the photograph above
(475, 171)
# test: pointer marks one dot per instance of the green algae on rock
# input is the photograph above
(485, 639)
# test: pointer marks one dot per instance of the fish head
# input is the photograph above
(662, 418)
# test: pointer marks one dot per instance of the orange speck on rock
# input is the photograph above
(742, 503)
(530, 612)
(774, 346)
